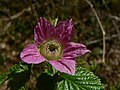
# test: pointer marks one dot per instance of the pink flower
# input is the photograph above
(52, 44)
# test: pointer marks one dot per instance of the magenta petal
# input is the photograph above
(66, 65)
(64, 30)
(31, 55)
(43, 30)
(75, 49)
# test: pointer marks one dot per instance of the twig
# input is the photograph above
(17, 15)
(8, 20)
(100, 40)
(7, 26)
(32, 10)
(116, 27)
(114, 17)
(105, 4)
(20, 13)
(103, 31)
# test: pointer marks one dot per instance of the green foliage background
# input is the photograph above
(17, 21)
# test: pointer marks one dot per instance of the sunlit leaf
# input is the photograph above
(54, 22)
(3, 78)
(83, 80)
(18, 68)
(19, 75)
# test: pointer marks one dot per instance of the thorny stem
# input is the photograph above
(103, 31)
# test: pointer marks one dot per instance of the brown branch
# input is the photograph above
(116, 28)
(114, 17)
(20, 13)
(32, 10)
(100, 40)
(100, 24)
(8, 20)
(17, 15)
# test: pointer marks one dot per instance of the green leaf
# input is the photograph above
(18, 68)
(19, 75)
(46, 82)
(82, 80)
(18, 80)
(54, 21)
(3, 78)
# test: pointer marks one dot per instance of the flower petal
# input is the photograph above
(64, 31)
(66, 65)
(31, 55)
(75, 49)
(43, 30)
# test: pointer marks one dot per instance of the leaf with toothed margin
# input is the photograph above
(3, 77)
(18, 68)
(15, 69)
(19, 76)
(82, 80)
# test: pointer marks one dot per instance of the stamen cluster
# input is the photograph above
(51, 50)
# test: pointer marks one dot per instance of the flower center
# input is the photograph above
(51, 50)
(52, 47)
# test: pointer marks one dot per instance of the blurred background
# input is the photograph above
(19, 17)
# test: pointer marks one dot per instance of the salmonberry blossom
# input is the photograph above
(52, 44)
